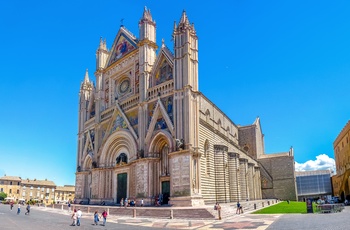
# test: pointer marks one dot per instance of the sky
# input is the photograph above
(287, 62)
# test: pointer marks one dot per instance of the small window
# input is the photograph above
(10, 191)
(17, 191)
(10, 182)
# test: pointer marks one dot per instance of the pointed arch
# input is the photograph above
(207, 157)
(207, 115)
(87, 165)
(162, 145)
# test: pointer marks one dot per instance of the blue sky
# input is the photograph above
(287, 62)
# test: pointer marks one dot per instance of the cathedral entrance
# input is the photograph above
(166, 191)
(122, 183)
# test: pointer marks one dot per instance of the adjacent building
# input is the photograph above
(341, 181)
(11, 185)
(38, 190)
(146, 131)
(64, 194)
(43, 191)
(314, 184)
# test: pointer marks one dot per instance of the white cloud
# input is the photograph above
(322, 162)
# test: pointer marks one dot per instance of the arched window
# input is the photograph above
(207, 157)
(165, 160)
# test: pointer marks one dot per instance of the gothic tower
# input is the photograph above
(186, 81)
(147, 55)
(85, 96)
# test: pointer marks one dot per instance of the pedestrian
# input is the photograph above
(126, 202)
(104, 215)
(218, 208)
(122, 202)
(28, 210)
(19, 209)
(142, 202)
(68, 206)
(79, 214)
(11, 205)
(74, 217)
(238, 210)
(96, 220)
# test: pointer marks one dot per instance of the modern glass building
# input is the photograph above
(313, 184)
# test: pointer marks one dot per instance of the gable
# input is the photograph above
(123, 44)
(163, 71)
(120, 121)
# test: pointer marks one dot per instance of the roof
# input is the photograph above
(66, 188)
(314, 172)
(38, 182)
(12, 178)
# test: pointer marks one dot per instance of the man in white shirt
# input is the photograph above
(79, 213)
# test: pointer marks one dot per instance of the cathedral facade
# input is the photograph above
(146, 132)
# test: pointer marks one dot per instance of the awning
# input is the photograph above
(9, 198)
(21, 199)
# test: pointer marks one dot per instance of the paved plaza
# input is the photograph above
(48, 218)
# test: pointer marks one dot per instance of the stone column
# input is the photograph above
(257, 179)
(251, 181)
(221, 174)
(243, 178)
(233, 166)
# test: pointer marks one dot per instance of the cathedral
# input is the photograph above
(147, 132)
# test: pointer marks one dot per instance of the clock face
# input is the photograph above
(124, 86)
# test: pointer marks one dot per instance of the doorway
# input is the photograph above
(166, 191)
(122, 183)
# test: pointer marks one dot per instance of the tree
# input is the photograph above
(3, 195)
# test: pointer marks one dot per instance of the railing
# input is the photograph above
(329, 208)
(163, 89)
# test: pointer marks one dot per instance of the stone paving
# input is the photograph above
(50, 218)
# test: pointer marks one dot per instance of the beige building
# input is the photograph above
(11, 185)
(39, 190)
(64, 194)
(146, 131)
(341, 181)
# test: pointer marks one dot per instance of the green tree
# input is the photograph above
(3, 195)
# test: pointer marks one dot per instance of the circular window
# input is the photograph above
(124, 86)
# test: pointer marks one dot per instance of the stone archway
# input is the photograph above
(119, 142)
(161, 145)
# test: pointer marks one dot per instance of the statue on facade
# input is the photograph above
(180, 144)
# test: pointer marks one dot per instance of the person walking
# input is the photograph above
(122, 202)
(69, 206)
(19, 209)
(28, 210)
(96, 220)
(126, 202)
(74, 217)
(142, 202)
(11, 205)
(104, 215)
(79, 214)
(238, 210)
(218, 208)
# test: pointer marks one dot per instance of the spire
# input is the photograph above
(146, 15)
(86, 78)
(102, 45)
(184, 24)
(184, 19)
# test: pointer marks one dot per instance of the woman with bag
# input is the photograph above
(96, 220)
(74, 217)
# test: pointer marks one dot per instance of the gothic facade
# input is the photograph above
(145, 130)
